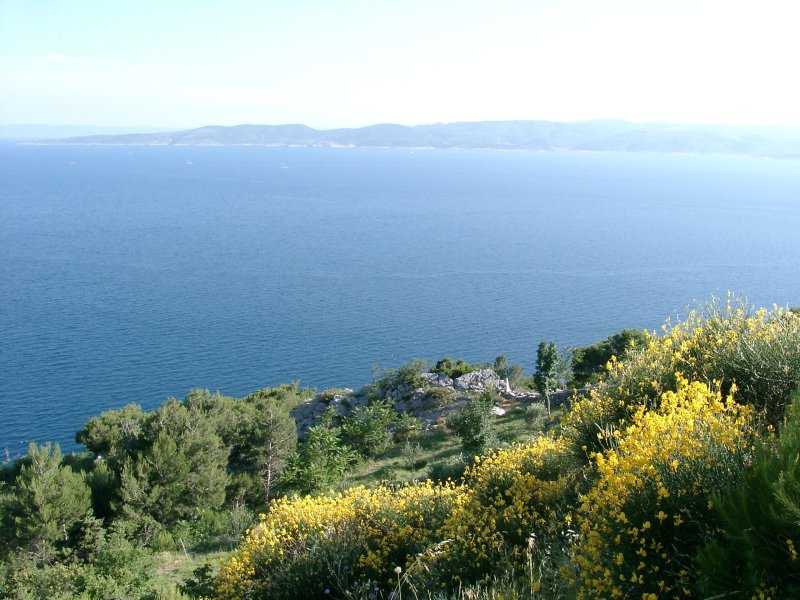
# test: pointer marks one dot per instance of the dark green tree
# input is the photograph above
(265, 437)
(181, 473)
(114, 435)
(43, 508)
(759, 524)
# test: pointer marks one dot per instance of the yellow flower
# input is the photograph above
(792, 550)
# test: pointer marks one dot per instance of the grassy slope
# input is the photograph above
(437, 445)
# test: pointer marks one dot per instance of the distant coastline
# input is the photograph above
(585, 136)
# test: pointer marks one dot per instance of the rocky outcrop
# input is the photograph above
(422, 402)
(438, 380)
(344, 400)
(405, 398)
(477, 381)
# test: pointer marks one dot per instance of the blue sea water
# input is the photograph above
(131, 274)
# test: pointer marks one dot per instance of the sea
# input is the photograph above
(134, 274)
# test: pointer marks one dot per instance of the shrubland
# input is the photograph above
(674, 476)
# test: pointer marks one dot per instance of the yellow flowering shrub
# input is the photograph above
(649, 512)
(404, 523)
(510, 495)
(304, 546)
(648, 449)
(726, 343)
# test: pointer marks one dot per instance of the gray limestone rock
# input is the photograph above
(477, 381)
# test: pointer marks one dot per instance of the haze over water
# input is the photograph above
(134, 274)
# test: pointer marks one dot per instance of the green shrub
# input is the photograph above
(451, 469)
(411, 455)
(437, 397)
(454, 368)
(162, 541)
(536, 416)
(406, 427)
(321, 460)
(367, 429)
(118, 567)
(474, 423)
(757, 549)
(588, 362)
(408, 375)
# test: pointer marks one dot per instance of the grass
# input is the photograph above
(439, 444)
(175, 567)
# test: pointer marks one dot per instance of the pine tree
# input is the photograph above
(759, 540)
(179, 475)
(42, 509)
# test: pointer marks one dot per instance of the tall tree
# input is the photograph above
(509, 373)
(551, 369)
(114, 435)
(41, 511)
(267, 437)
(501, 368)
(182, 471)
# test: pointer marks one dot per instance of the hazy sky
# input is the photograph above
(332, 63)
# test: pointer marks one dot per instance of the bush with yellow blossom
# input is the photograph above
(624, 498)
(726, 342)
(305, 546)
(650, 511)
(510, 496)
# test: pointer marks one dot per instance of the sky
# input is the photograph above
(349, 63)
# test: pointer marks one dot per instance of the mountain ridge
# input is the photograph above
(597, 135)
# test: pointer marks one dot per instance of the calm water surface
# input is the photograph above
(134, 274)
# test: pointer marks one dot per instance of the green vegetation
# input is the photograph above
(367, 430)
(661, 482)
(588, 362)
(474, 424)
(676, 475)
(552, 370)
(321, 461)
(189, 476)
(454, 368)
(408, 375)
(438, 397)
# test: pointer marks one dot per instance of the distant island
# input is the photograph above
(585, 136)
